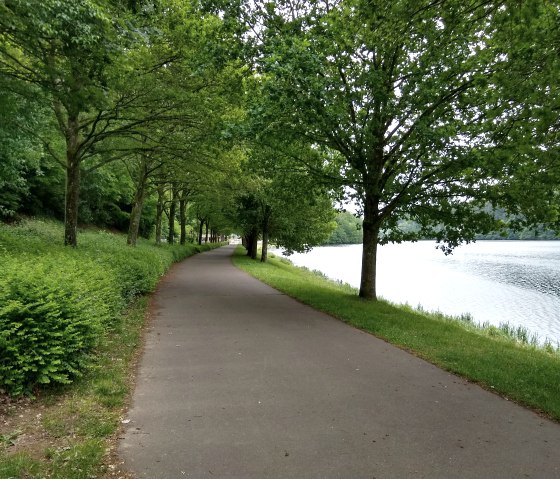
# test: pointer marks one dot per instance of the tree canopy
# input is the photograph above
(411, 97)
(191, 119)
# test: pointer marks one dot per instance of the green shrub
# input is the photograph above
(135, 275)
(57, 303)
(137, 269)
(53, 311)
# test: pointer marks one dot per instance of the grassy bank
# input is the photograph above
(70, 327)
(523, 373)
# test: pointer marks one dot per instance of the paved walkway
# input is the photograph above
(240, 381)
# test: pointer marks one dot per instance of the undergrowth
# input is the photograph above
(56, 302)
(85, 309)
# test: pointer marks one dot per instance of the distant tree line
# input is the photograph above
(348, 230)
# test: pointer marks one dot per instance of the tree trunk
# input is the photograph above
(172, 210)
(183, 220)
(249, 244)
(136, 213)
(254, 243)
(250, 240)
(72, 196)
(254, 247)
(371, 226)
(264, 252)
(159, 211)
(206, 237)
(200, 230)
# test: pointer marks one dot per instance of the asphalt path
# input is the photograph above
(240, 381)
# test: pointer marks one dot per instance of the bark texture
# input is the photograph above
(159, 211)
(72, 199)
(265, 234)
(200, 230)
(371, 225)
(136, 213)
(183, 220)
(172, 212)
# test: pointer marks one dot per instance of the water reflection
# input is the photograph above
(495, 281)
(529, 277)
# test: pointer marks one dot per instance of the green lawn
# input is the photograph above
(523, 373)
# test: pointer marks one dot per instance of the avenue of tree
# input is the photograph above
(188, 120)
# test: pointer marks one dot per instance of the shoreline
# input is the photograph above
(510, 281)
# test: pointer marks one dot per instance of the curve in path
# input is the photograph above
(240, 381)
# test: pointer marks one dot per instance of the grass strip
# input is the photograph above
(525, 374)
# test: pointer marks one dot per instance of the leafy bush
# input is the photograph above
(136, 269)
(57, 303)
(51, 317)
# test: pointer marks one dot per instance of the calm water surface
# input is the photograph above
(495, 281)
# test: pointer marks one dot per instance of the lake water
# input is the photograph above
(495, 281)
